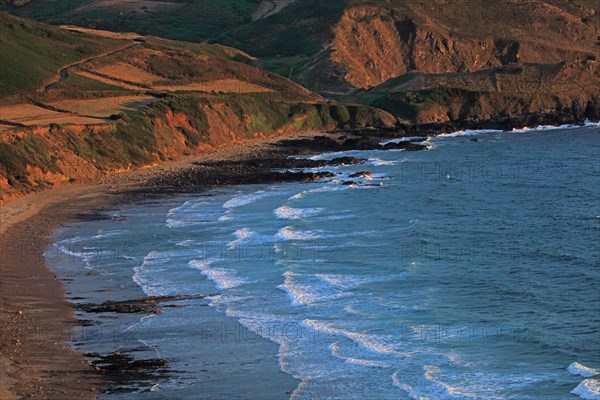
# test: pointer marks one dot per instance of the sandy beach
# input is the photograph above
(36, 361)
(280, 200)
(35, 317)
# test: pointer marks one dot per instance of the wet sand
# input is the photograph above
(36, 360)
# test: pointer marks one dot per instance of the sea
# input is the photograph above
(470, 270)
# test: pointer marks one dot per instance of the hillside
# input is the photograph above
(374, 43)
(361, 42)
(39, 52)
(497, 92)
(346, 47)
(130, 101)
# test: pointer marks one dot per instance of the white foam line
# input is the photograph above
(335, 351)
(413, 394)
(377, 162)
(367, 341)
(223, 278)
(141, 272)
(335, 154)
(431, 373)
(245, 199)
(299, 294)
(472, 132)
(290, 233)
(285, 212)
(581, 370)
(329, 188)
(589, 389)
(400, 140)
(242, 235)
(587, 124)
(295, 395)
(469, 132)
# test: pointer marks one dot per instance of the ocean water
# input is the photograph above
(468, 271)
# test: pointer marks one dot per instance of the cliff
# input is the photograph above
(137, 101)
(346, 47)
(373, 43)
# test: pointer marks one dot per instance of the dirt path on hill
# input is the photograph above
(63, 74)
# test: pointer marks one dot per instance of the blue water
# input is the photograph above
(469, 271)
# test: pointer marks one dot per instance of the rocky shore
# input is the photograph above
(37, 366)
(277, 161)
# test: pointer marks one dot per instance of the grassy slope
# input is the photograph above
(295, 43)
(283, 41)
(286, 40)
(34, 52)
(175, 124)
(190, 20)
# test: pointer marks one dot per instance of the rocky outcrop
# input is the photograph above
(375, 43)
(500, 92)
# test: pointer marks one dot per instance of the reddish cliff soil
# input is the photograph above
(372, 44)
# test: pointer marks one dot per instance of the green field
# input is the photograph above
(33, 53)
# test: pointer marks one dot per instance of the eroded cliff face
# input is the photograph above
(38, 158)
(373, 44)
(499, 92)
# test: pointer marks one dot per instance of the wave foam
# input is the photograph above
(581, 370)
(587, 124)
(335, 351)
(290, 233)
(192, 212)
(246, 199)
(335, 154)
(241, 235)
(147, 275)
(400, 140)
(472, 132)
(185, 243)
(469, 132)
(412, 393)
(223, 278)
(377, 162)
(588, 389)
(431, 374)
(285, 212)
(225, 217)
(330, 188)
(307, 289)
(370, 342)
(345, 282)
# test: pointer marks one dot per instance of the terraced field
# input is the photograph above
(125, 74)
(29, 115)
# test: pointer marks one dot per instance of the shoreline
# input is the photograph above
(33, 308)
(38, 362)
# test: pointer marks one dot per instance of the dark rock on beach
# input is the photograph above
(362, 174)
(406, 145)
(278, 164)
(126, 372)
(142, 305)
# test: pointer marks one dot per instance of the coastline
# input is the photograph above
(36, 360)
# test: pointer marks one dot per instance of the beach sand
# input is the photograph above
(35, 358)
(34, 315)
